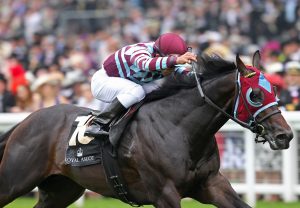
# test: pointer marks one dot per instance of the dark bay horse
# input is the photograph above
(167, 152)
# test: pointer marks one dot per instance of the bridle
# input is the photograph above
(255, 125)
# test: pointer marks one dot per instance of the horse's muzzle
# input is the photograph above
(283, 139)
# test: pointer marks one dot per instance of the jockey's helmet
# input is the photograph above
(170, 43)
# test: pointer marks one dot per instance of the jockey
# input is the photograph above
(134, 71)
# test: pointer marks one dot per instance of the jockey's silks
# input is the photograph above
(139, 63)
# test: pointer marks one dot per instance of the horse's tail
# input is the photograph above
(3, 140)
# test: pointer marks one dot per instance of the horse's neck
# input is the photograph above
(199, 120)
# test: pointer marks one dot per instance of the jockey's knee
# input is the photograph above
(131, 96)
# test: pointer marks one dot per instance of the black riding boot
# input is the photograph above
(99, 124)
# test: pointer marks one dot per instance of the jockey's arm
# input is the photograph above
(143, 60)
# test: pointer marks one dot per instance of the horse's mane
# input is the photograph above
(209, 66)
(214, 65)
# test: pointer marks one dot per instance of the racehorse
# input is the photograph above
(167, 152)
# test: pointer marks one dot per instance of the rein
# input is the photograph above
(255, 125)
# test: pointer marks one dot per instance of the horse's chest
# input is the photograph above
(205, 168)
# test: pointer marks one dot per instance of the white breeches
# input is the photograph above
(106, 89)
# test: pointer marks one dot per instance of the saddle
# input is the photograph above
(118, 124)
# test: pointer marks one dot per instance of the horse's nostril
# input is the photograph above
(281, 137)
(285, 136)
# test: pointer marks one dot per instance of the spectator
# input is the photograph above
(47, 88)
(72, 85)
(32, 21)
(290, 97)
(35, 58)
(274, 73)
(87, 99)
(16, 72)
(290, 49)
(26, 101)
(7, 100)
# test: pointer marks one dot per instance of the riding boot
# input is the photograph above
(99, 125)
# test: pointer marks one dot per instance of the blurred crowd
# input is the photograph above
(50, 49)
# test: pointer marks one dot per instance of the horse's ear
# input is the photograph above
(256, 60)
(242, 67)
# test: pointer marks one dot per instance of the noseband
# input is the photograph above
(255, 125)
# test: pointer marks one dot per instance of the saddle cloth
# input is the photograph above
(82, 150)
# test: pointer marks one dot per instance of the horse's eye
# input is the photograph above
(255, 97)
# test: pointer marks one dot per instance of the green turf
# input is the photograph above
(110, 203)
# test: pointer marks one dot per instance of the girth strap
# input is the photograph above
(113, 173)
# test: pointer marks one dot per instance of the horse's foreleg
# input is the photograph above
(169, 198)
(218, 191)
